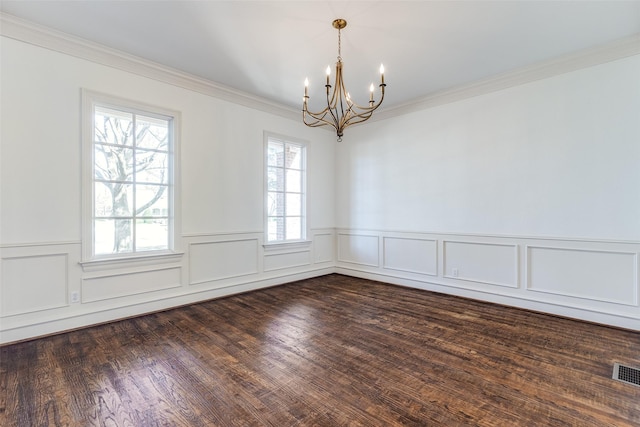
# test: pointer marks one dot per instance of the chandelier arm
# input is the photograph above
(372, 107)
(317, 120)
(360, 120)
(318, 117)
(338, 97)
(335, 118)
(318, 113)
(356, 118)
(364, 114)
(334, 115)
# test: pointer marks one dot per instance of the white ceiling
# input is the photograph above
(267, 48)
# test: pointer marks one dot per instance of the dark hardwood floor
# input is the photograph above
(329, 351)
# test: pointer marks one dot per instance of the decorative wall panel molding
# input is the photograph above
(33, 283)
(280, 261)
(359, 249)
(593, 280)
(599, 275)
(488, 263)
(411, 255)
(323, 245)
(127, 284)
(218, 260)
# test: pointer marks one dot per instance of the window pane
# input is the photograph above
(113, 199)
(294, 181)
(103, 204)
(113, 163)
(132, 154)
(152, 200)
(293, 204)
(275, 229)
(151, 166)
(285, 186)
(152, 133)
(113, 126)
(152, 234)
(275, 204)
(112, 236)
(294, 228)
(275, 179)
(294, 157)
(275, 154)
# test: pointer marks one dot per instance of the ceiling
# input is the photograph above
(267, 48)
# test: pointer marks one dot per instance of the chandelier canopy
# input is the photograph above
(341, 111)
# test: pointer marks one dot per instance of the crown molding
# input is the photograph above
(37, 35)
(613, 51)
(28, 32)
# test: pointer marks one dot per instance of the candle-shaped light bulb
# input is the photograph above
(371, 93)
(381, 74)
(328, 74)
(306, 87)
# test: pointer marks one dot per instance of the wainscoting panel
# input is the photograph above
(34, 283)
(488, 263)
(411, 255)
(126, 284)
(280, 261)
(323, 245)
(593, 280)
(580, 273)
(218, 260)
(358, 249)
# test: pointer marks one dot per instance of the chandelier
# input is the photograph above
(341, 111)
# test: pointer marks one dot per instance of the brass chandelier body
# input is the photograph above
(340, 111)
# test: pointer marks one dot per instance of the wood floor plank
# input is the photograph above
(329, 351)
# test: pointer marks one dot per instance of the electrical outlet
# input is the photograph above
(454, 272)
(75, 297)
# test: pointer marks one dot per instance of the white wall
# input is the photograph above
(527, 196)
(222, 185)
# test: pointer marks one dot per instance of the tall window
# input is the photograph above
(132, 178)
(285, 195)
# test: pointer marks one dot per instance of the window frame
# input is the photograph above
(277, 244)
(91, 260)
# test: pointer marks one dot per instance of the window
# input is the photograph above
(129, 179)
(285, 192)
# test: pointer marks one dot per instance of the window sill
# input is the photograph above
(277, 246)
(131, 261)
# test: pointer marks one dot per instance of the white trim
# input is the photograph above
(619, 49)
(28, 32)
(131, 261)
(611, 317)
(275, 246)
(35, 244)
(20, 329)
(38, 35)
(527, 276)
(65, 256)
(375, 232)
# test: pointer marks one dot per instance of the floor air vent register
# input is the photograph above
(626, 374)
